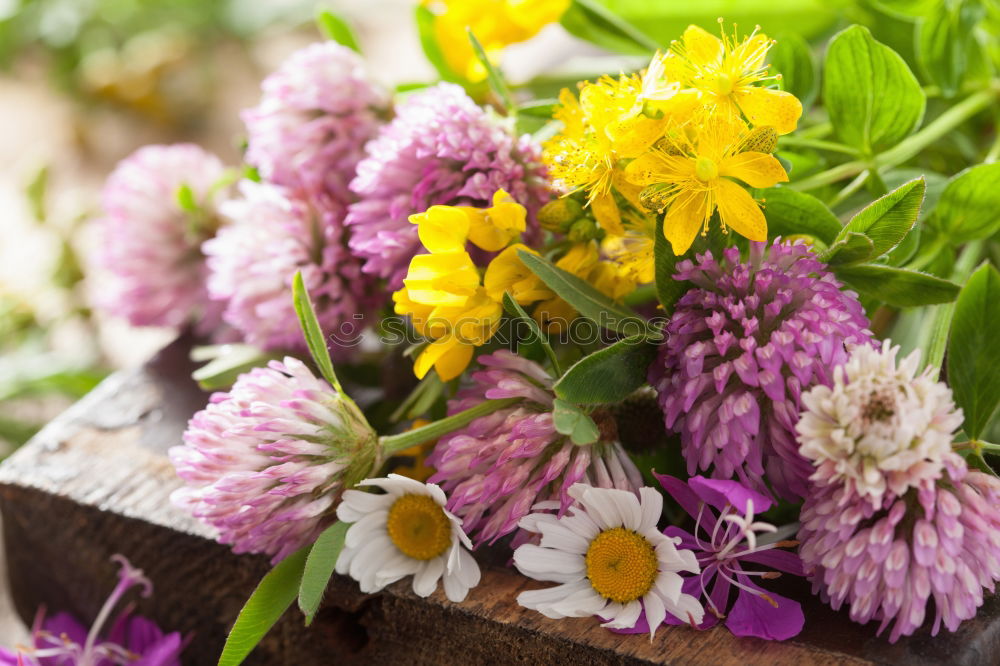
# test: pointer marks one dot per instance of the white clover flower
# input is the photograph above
(879, 427)
(405, 532)
(610, 560)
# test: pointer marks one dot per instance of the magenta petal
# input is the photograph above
(719, 492)
(64, 623)
(752, 615)
(680, 492)
(782, 560)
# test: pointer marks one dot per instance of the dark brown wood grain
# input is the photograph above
(97, 482)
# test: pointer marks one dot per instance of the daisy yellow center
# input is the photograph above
(419, 527)
(621, 565)
(705, 169)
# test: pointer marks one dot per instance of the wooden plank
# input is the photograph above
(96, 482)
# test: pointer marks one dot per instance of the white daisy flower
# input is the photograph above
(610, 559)
(407, 531)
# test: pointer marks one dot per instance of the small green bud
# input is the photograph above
(582, 230)
(559, 214)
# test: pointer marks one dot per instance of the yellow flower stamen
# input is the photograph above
(621, 565)
(418, 526)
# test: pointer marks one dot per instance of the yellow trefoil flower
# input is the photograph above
(633, 251)
(507, 273)
(496, 24)
(724, 72)
(697, 173)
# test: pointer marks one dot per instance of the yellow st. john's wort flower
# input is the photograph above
(582, 260)
(496, 24)
(607, 124)
(695, 170)
(725, 72)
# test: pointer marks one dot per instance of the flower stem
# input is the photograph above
(404, 440)
(819, 144)
(907, 148)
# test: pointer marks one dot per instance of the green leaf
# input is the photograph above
(493, 75)
(35, 191)
(790, 212)
(591, 21)
(570, 420)
(228, 363)
(970, 204)
(315, 339)
(887, 220)
(584, 298)
(273, 596)
(186, 199)
(944, 39)
(535, 332)
(432, 50)
(319, 567)
(872, 97)
(853, 248)
(540, 108)
(336, 29)
(898, 287)
(668, 290)
(609, 374)
(974, 349)
(792, 58)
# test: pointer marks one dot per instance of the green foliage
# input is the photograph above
(853, 248)
(608, 375)
(896, 286)
(226, 363)
(887, 220)
(873, 99)
(337, 29)
(668, 290)
(275, 593)
(974, 350)
(573, 422)
(312, 332)
(493, 75)
(945, 38)
(428, 42)
(587, 300)
(969, 208)
(319, 568)
(535, 334)
(593, 22)
(792, 58)
(790, 212)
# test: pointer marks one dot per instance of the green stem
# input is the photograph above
(819, 144)
(404, 440)
(850, 189)
(941, 320)
(907, 148)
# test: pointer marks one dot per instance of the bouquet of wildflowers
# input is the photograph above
(667, 336)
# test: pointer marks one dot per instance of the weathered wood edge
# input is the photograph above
(96, 481)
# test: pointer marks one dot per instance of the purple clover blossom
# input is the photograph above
(132, 640)
(266, 462)
(501, 465)
(940, 541)
(725, 541)
(440, 149)
(316, 113)
(742, 346)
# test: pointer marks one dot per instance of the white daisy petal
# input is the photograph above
(686, 608)
(669, 585)
(655, 610)
(627, 618)
(548, 564)
(356, 503)
(365, 528)
(628, 508)
(427, 577)
(652, 508)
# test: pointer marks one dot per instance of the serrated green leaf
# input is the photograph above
(275, 593)
(668, 290)
(792, 58)
(584, 298)
(791, 212)
(493, 75)
(853, 248)
(872, 97)
(944, 38)
(315, 340)
(609, 374)
(896, 286)
(887, 220)
(974, 349)
(969, 207)
(535, 332)
(319, 567)
(337, 29)
(570, 420)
